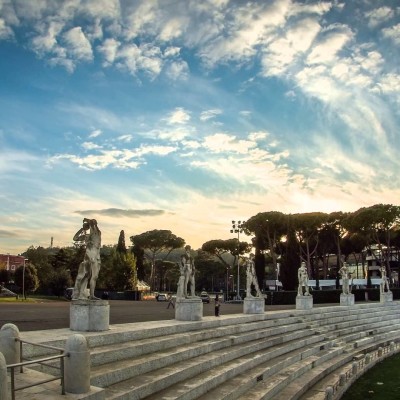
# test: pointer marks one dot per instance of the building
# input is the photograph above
(11, 262)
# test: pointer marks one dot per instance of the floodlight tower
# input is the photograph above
(237, 227)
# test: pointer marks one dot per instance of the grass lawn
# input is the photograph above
(31, 299)
(382, 382)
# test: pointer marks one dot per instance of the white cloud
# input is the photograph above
(328, 48)
(109, 50)
(178, 116)
(95, 133)
(90, 146)
(5, 31)
(378, 16)
(392, 33)
(172, 51)
(177, 70)
(209, 114)
(125, 138)
(78, 46)
(222, 142)
(146, 58)
(283, 51)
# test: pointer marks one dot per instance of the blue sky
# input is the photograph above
(186, 114)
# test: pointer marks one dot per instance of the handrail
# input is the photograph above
(41, 361)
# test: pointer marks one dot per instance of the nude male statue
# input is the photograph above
(302, 276)
(188, 270)
(251, 278)
(89, 268)
(344, 273)
(384, 280)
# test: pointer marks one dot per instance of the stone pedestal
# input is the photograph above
(347, 299)
(254, 305)
(89, 315)
(386, 297)
(304, 302)
(189, 309)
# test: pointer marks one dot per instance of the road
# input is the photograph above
(32, 316)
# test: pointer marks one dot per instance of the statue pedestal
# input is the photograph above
(89, 315)
(189, 309)
(386, 297)
(254, 305)
(346, 299)
(304, 302)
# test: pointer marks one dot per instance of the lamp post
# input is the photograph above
(23, 279)
(237, 227)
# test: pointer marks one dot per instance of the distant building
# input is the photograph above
(11, 262)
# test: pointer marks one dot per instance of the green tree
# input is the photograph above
(121, 247)
(269, 229)
(307, 227)
(232, 247)
(40, 258)
(210, 271)
(59, 280)
(28, 279)
(290, 260)
(154, 243)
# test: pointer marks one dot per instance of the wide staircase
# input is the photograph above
(286, 355)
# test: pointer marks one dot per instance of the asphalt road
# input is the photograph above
(30, 316)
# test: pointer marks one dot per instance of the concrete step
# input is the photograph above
(125, 350)
(165, 377)
(313, 384)
(266, 368)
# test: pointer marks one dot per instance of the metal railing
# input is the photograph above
(41, 361)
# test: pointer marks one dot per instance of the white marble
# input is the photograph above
(304, 302)
(9, 345)
(254, 305)
(89, 315)
(189, 309)
(347, 299)
(386, 297)
(77, 365)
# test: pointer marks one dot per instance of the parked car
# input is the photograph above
(161, 297)
(205, 298)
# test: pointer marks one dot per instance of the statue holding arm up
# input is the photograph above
(89, 268)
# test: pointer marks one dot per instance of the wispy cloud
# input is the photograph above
(209, 114)
(120, 213)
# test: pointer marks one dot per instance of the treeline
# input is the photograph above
(277, 239)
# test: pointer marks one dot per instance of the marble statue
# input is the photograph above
(187, 271)
(384, 280)
(251, 278)
(302, 276)
(89, 268)
(344, 274)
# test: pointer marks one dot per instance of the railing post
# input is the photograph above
(77, 365)
(3, 378)
(9, 343)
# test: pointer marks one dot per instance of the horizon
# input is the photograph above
(184, 116)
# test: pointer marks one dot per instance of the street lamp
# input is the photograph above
(237, 227)
(23, 279)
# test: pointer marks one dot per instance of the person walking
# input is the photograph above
(170, 301)
(217, 305)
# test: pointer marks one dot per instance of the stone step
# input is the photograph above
(229, 382)
(120, 351)
(313, 384)
(268, 389)
(140, 387)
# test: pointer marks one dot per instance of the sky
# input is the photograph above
(185, 115)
